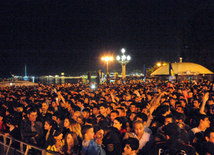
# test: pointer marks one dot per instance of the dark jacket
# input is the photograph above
(172, 147)
(29, 136)
(112, 142)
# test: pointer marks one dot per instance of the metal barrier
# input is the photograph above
(11, 146)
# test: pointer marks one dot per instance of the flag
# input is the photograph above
(171, 73)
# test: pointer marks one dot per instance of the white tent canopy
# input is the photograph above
(182, 68)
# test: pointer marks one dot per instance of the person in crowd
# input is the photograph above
(89, 146)
(203, 124)
(150, 102)
(112, 140)
(172, 145)
(32, 130)
(50, 128)
(120, 124)
(58, 142)
(131, 146)
(72, 145)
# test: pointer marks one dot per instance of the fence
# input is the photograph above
(11, 146)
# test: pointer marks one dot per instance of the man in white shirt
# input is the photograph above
(140, 134)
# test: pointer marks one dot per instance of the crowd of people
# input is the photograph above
(155, 118)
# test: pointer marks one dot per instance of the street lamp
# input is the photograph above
(107, 59)
(123, 60)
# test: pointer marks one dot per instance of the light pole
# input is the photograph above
(107, 59)
(123, 60)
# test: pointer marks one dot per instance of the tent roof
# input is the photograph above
(181, 68)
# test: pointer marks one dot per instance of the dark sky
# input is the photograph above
(53, 36)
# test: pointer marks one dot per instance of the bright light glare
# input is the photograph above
(11, 84)
(118, 57)
(128, 58)
(123, 57)
(107, 58)
(158, 64)
(93, 86)
(123, 50)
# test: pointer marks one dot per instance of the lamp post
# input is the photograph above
(107, 59)
(123, 60)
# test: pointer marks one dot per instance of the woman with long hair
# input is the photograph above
(49, 126)
(58, 142)
(72, 145)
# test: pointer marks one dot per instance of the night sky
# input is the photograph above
(52, 36)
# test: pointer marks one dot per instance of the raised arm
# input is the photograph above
(202, 109)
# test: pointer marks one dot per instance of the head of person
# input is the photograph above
(56, 117)
(114, 114)
(88, 132)
(196, 104)
(76, 114)
(99, 132)
(172, 131)
(132, 116)
(75, 127)
(203, 121)
(45, 106)
(32, 114)
(164, 110)
(131, 146)
(67, 122)
(121, 111)
(138, 128)
(142, 117)
(133, 107)
(49, 124)
(58, 134)
(119, 123)
(169, 119)
(209, 134)
(71, 139)
(86, 113)
(103, 109)
(96, 110)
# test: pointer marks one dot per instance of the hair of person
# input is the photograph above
(172, 130)
(115, 111)
(121, 108)
(143, 116)
(85, 129)
(162, 109)
(200, 117)
(57, 132)
(31, 110)
(86, 110)
(75, 127)
(51, 123)
(171, 116)
(180, 116)
(97, 107)
(132, 142)
(91, 121)
(75, 148)
(97, 128)
(208, 131)
(104, 124)
(159, 137)
(122, 121)
(137, 122)
(104, 105)
(58, 115)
